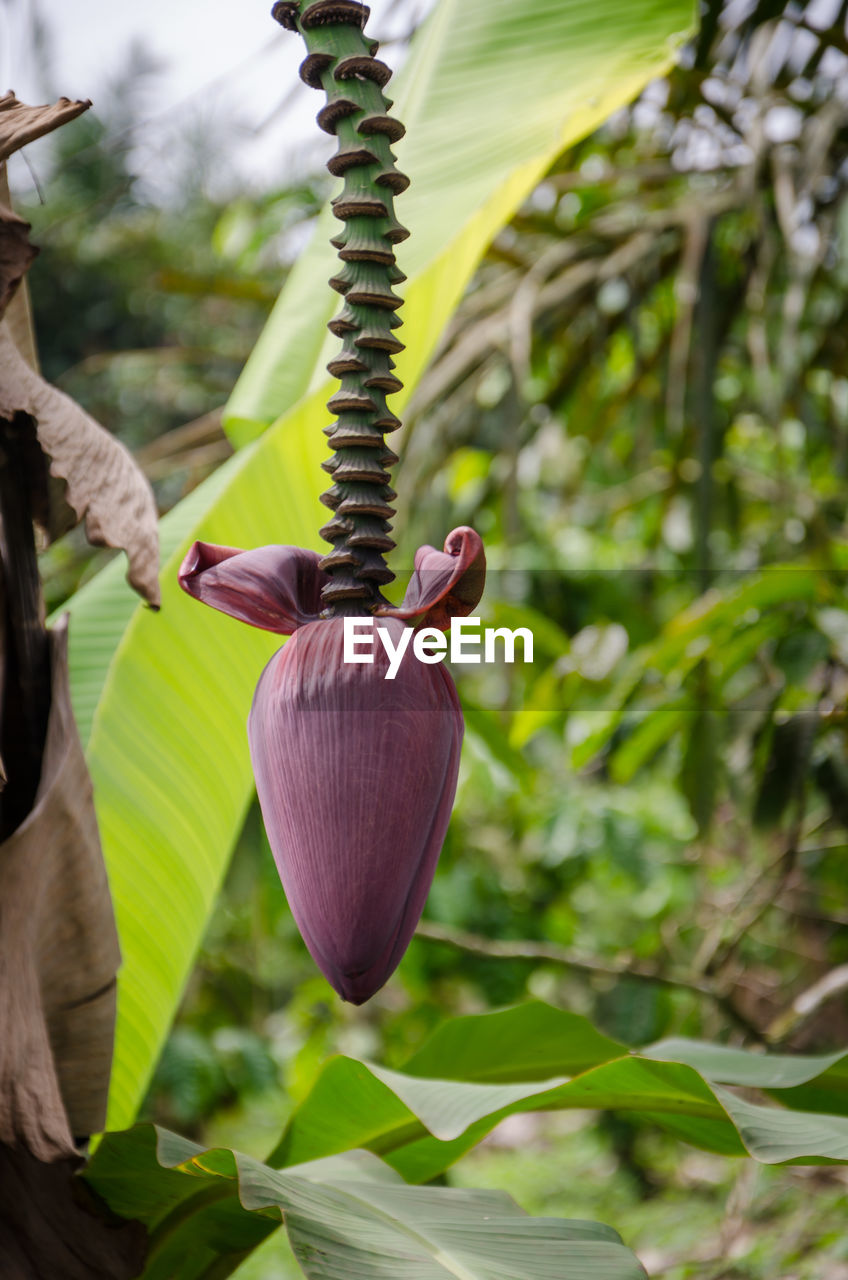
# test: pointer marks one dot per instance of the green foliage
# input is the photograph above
(670, 1205)
(205, 1210)
(334, 1197)
(681, 517)
(420, 1126)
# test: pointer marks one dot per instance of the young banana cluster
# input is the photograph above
(341, 61)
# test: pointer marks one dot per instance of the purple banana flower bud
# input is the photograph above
(356, 774)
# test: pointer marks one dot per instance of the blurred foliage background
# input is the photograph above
(642, 406)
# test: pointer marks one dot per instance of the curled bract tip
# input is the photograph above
(278, 588)
(445, 584)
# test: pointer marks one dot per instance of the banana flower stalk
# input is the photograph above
(355, 773)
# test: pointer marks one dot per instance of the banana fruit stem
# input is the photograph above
(341, 60)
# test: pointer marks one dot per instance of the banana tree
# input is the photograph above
(163, 703)
(160, 701)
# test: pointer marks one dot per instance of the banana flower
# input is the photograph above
(355, 773)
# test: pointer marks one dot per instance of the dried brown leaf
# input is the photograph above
(58, 951)
(103, 483)
(16, 254)
(20, 124)
(18, 319)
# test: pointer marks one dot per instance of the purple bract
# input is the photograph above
(356, 774)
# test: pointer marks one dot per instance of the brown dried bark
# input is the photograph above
(16, 252)
(51, 1227)
(20, 124)
(58, 950)
(58, 942)
(58, 959)
(103, 485)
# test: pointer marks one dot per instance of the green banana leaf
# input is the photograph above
(492, 92)
(537, 1058)
(351, 1216)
